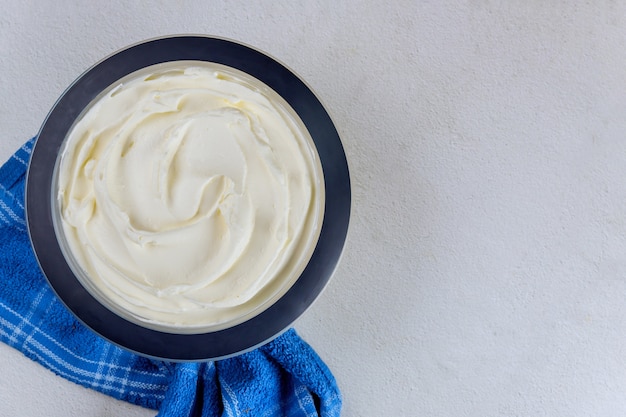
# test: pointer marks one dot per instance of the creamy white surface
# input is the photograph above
(189, 196)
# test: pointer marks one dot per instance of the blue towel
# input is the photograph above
(283, 378)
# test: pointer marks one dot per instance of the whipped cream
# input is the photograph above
(190, 196)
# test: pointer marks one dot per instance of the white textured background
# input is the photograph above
(485, 271)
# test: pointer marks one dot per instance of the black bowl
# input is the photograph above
(223, 343)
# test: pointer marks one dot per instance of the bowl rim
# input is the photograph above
(255, 331)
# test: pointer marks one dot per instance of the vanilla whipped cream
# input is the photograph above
(190, 196)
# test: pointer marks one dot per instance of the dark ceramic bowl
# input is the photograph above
(41, 200)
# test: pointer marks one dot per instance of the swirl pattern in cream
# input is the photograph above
(190, 196)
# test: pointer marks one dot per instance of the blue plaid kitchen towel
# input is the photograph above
(283, 378)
